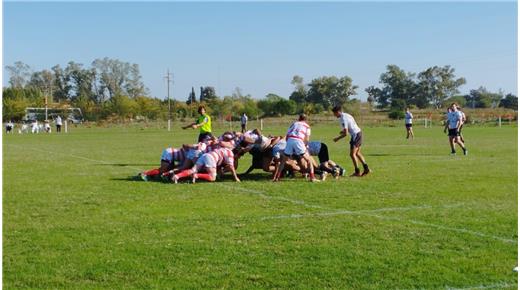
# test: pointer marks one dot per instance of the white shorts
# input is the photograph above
(278, 149)
(206, 161)
(295, 147)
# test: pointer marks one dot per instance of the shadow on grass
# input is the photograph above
(127, 164)
(255, 176)
(398, 154)
(227, 178)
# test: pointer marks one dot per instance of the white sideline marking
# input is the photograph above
(299, 202)
(491, 286)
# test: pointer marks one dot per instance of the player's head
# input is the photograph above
(337, 110)
(302, 117)
(453, 107)
(407, 109)
(201, 110)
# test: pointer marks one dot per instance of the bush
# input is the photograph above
(396, 115)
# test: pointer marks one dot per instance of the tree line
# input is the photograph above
(113, 89)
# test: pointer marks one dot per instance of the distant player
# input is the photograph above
(58, 124)
(297, 138)
(47, 127)
(408, 118)
(243, 122)
(9, 127)
(204, 123)
(453, 124)
(349, 126)
(35, 127)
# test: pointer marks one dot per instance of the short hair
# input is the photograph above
(302, 117)
(336, 109)
(456, 105)
(200, 109)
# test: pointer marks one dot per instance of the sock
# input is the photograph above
(312, 175)
(365, 166)
(183, 174)
(152, 172)
(356, 170)
(323, 168)
(204, 176)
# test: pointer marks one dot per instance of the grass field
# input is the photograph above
(73, 218)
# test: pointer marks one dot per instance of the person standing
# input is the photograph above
(58, 124)
(453, 124)
(243, 122)
(9, 127)
(408, 117)
(204, 123)
(349, 126)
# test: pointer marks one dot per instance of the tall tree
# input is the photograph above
(19, 74)
(330, 91)
(300, 91)
(439, 83)
(510, 102)
(208, 94)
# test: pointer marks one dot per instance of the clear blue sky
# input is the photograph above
(260, 46)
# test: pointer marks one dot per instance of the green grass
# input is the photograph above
(72, 218)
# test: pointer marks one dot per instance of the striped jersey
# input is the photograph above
(222, 156)
(173, 154)
(299, 130)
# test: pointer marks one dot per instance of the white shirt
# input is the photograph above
(58, 120)
(408, 118)
(348, 122)
(244, 119)
(314, 148)
(453, 118)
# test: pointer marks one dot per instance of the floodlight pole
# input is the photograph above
(169, 102)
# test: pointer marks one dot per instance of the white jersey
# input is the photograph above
(243, 119)
(222, 156)
(299, 130)
(408, 118)
(314, 148)
(347, 122)
(453, 118)
(58, 120)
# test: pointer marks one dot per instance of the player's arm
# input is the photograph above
(192, 125)
(233, 171)
(446, 125)
(342, 135)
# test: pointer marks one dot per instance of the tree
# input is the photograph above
(482, 98)
(61, 84)
(439, 84)
(330, 91)
(397, 85)
(510, 102)
(207, 94)
(19, 74)
(300, 92)
(134, 85)
(192, 98)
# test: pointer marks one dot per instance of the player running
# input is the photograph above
(349, 126)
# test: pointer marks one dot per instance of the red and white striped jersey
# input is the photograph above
(173, 154)
(299, 130)
(223, 156)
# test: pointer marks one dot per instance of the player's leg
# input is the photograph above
(411, 131)
(452, 144)
(210, 175)
(461, 144)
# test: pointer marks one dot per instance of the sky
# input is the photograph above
(259, 46)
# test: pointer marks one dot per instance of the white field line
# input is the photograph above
(299, 202)
(355, 212)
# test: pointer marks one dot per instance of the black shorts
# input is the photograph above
(408, 125)
(453, 132)
(356, 141)
(323, 155)
(243, 126)
(204, 136)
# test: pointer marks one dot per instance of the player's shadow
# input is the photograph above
(126, 164)
(398, 154)
(255, 176)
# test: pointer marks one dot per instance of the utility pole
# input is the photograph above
(168, 80)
